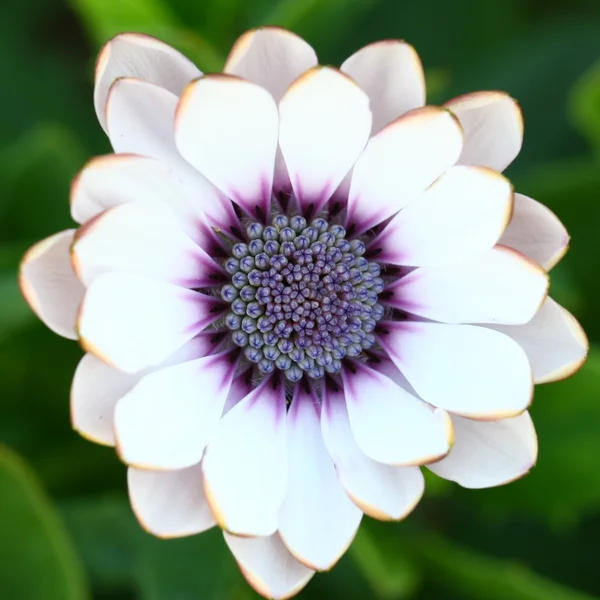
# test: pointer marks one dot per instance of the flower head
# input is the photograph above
(295, 285)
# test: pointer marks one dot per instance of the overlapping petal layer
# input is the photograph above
(493, 126)
(460, 216)
(49, 284)
(400, 163)
(488, 454)
(500, 286)
(324, 124)
(143, 57)
(170, 503)
(318, 520)
(446, 266)
(247, 459)
(479, 373)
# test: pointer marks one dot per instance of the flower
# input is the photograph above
(295, 285)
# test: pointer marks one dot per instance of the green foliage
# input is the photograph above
(564, 486)
(585, 105)
(533, 540)
(386, 564)
(571, 188)
(38, 165)
(104, 20)
(471, 574)
(15, 314)
(37, 559)
(118, 553)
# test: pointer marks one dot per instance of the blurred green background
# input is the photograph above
(66, 531)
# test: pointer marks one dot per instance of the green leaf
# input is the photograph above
(474, 576)
(37, 560)
(584, 105)
(118, 553)
(15, 313)
(386, 566)
(195, 567)
(564, 487)
(106, 535)
(221, 20)
(106, 18)
(323, 21)
(539, 69)
(36, 171)
(288, 13)
(571, 189)
(437, 83)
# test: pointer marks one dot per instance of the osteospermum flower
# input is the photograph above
(295, 285)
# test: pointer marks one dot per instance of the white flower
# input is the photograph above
(295, 285)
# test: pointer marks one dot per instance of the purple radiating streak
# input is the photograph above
(303, 399)
(210, 309)
(398, 294)
(256, 207)
(318, 200)
(272, 391)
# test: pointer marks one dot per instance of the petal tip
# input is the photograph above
(378, 513)
(147, 527)
(28, 292)
(322, 71)
(102, 59)
(261, 587)
(88, 346)
(116, 85)
(25, 286)
(559, 254)
(241, 45)
(534, 268)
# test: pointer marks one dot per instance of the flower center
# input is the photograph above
(303, 297)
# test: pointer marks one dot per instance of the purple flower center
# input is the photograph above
(302, 296)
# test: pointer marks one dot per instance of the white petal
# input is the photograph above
(50, 286)
(271, 57)
(166, 420)
(389, 424)
(170, 504)
(472, 371)
(144, 57)
(141, 239)
(141, 119)
(241, 386)
(381, 491)
(493, 126)
(392, 75)
(324, 125)
(500, 286)
(536, 231)
(132, 322)
(489, 454)
(227, 128)
(245, 466)
(460, 216)
(318, 520)
(115, 179)
(553, 340)
(97, 388)
(95, 392)
(400, 163)
(268, 566)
